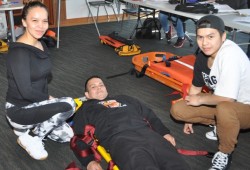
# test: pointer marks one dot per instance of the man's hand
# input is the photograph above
(193, 100)
(93, 165)
(188, 128)
(170, 138)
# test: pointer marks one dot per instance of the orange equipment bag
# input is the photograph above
(167, 68)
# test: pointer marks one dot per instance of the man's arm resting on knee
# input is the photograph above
(206, 99)
(195, 98)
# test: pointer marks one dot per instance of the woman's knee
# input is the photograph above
(70, 103)
(66, 107)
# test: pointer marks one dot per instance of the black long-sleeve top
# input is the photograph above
(113, 116)
(28, 69)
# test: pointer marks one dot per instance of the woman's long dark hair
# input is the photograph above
(30, 5)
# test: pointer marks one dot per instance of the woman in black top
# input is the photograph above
(28, 104)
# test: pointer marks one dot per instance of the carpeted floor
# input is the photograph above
(81, 55)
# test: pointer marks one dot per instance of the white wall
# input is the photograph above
(79, 9)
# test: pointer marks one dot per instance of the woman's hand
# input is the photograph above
(93, 165)
(170, 138)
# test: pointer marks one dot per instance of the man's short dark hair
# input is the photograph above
(91, 77)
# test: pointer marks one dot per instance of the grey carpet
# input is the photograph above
(81, 55)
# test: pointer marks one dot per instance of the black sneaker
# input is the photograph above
(179, 43)
(221, 161)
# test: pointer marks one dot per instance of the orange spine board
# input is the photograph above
(180, 72)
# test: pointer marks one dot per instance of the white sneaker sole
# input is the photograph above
(18, 133)
(19, 142)
(211, 137)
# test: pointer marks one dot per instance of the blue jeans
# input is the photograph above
(178, 26)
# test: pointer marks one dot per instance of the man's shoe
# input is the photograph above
(179, 43)
(221, 161)
(33, 145)
(212, 135)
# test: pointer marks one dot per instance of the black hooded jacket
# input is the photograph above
(28, 69)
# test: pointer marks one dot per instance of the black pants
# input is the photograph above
(41, 111)
(46, 117)
(145, 149)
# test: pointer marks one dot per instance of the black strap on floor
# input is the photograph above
(120, 74)
(132, 71)
(142, 73)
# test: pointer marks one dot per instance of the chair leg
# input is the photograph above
(115, 13)
(156, 26)
(97, 15)
(118, 6)
(191, 42)
(88, 17)
(135, 28)
(106, 13)
(138, 21)
(122, 22)
(89, 14)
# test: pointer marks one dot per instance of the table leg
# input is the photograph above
(137, 23)
(12, 26)
(58, 22)
(234, 35)
(118, 6)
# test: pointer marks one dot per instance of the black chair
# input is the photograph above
(139, 12)
(101, 3)
(130, 10)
